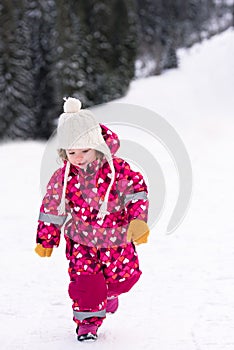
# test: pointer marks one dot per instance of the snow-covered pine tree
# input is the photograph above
(123, 39)
(71, 53)
(93, 49)
(148, 28)
(153, 36)
(41, 16)
(92, 59)
(170, 15)
(111, 43)
(16, 79)
(107, 42)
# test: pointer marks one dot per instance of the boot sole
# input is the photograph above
(90, 337)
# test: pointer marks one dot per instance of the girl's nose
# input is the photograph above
(79, 158)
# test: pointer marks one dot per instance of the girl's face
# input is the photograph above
(81, 157)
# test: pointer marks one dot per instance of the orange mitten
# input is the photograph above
(138, 232)
(43, 252)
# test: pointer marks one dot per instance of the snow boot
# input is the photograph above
(112, 304)
(87, 332)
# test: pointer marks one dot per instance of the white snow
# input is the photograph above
(185, 298)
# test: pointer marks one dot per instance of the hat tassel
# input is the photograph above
(62, 205)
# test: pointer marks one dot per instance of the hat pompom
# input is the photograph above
(71, 105)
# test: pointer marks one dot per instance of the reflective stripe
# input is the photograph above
(81, 315)
(135, 197)
(52, 219)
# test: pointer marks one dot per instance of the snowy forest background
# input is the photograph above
(91, 50)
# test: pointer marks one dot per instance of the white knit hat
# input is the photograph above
(78, 128)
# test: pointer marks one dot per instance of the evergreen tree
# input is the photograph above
(71, 52)
(170, 14)
(42, 17)
(95, 22)
(124, 45)
(158, 34)
(98, 50)
(16, 99)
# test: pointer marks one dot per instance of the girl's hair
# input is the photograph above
(62, 154)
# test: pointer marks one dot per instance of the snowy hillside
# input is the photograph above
(185, 298)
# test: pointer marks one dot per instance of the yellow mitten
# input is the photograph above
(43, 252)
(138, 232)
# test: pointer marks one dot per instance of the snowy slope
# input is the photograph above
(185, 298)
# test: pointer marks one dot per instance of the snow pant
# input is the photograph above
(97, 274)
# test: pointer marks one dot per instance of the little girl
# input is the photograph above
(104, 203)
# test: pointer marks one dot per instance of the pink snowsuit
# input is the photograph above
(101, 262)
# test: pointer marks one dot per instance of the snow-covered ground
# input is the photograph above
(185, 298)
